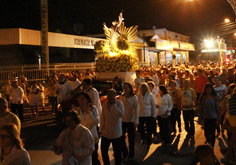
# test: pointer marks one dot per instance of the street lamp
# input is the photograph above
(215, 45)
(227, 20)
(208, 43)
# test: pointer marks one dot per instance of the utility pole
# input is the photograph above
(144, 47)
(44, 34)
(222, 46)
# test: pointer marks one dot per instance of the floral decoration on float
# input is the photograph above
(117, 53)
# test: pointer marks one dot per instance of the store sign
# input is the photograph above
(186, 46)
(212, 50)
(85, 42)
(170, 45)
(163, 45)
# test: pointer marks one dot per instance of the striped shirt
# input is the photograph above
(232, 104)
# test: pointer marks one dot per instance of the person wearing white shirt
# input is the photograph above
(35, 98)
(63, 88)
(7, 117)
(42, 96)
(155, 92)
(11, 147)
(75, 143)
(16, 97)
(130, 120)
(93, 94)
(154, 78)
(111, 127)
(138, 81)
(163, 114)
(88, 75)
(147, 114)
(74, 81)
(89, 118)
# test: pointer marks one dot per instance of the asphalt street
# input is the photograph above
(40, 133)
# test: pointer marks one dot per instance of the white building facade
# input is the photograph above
(164, 47)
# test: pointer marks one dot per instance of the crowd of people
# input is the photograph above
(157, 97)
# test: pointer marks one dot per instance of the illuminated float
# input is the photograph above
(116, 55)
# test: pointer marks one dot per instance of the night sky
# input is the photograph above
(192, 18)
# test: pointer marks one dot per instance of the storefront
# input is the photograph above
(169, 48)
(168, 57)
(24, 44)
(175, 55)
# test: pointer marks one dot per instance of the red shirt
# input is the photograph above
(201, 82)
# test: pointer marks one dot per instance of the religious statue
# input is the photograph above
(114, 32)
(117, 53)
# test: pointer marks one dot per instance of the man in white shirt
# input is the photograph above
(16, 97)
(111, 127)
(63, 88)
(93, 94)
(138, 81)
(7, 117)
(74, 81)
(63, 91)
(88, 75)
(154, 78)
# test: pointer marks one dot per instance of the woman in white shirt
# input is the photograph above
(155, 92)
(163, 114)
(130, 120)
(75, 143)
(41, 93)
(11, 147)
(34, 98)
(89, 118)
(147, 114)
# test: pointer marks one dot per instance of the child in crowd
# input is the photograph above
(42, 96)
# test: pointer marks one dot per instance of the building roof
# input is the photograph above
(19, 36)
